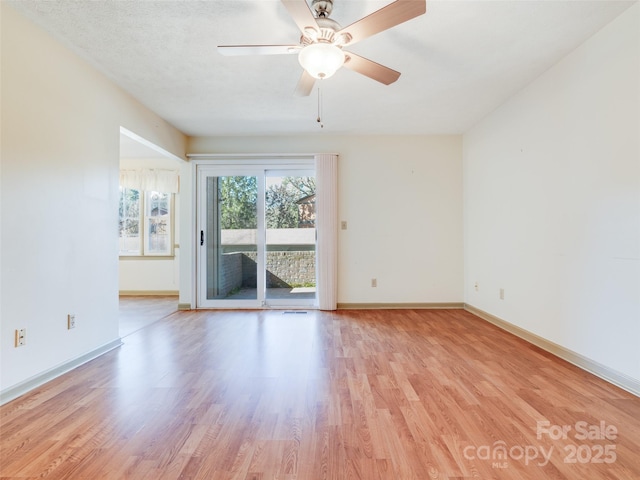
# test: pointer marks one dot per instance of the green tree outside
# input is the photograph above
(238, 200)
(281, 201)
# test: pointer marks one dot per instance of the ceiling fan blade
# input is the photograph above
(387, 17)
(234, 50)
(301, 13)
(305, 85)
(370, 69)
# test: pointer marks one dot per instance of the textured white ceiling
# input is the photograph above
(459, 61)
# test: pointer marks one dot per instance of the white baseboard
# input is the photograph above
(398, 306)
(150, 293)
(621, 380)
(26, 386)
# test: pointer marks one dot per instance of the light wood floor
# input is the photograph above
(371, 395)
(139, 311)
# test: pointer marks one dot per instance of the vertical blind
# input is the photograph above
(327, 228)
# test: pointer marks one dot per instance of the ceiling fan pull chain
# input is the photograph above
(319, 119)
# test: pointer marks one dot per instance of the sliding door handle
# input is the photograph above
(201, 237)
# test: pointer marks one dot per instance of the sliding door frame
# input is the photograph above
(241, 165)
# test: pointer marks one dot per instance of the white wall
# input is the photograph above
(60, 158)
(402, 199)
(152, 274)
(552, 202)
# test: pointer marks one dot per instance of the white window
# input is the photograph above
(145, 223)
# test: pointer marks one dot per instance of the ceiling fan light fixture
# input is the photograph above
(321, 60)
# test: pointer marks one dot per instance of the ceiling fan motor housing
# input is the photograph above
(327, 27)
(324, 33)
(323, 8)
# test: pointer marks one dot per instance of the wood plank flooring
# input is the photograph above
(370, 395)
(139, 311)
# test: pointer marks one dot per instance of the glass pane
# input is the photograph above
(129, 222)
(158, 236)
(231, 237)
(158, 219)
(290, 211)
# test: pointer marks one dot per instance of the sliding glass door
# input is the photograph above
(228, 238)
(257, 236)
(290, 248)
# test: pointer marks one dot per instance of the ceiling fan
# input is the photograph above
(320, 51)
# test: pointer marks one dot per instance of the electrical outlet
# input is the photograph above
(343, 224)
(502, 294)
(374, 282)
(476, 286)
(71, 321)
(21, 337)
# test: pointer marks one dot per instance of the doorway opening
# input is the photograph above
(148, 257)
